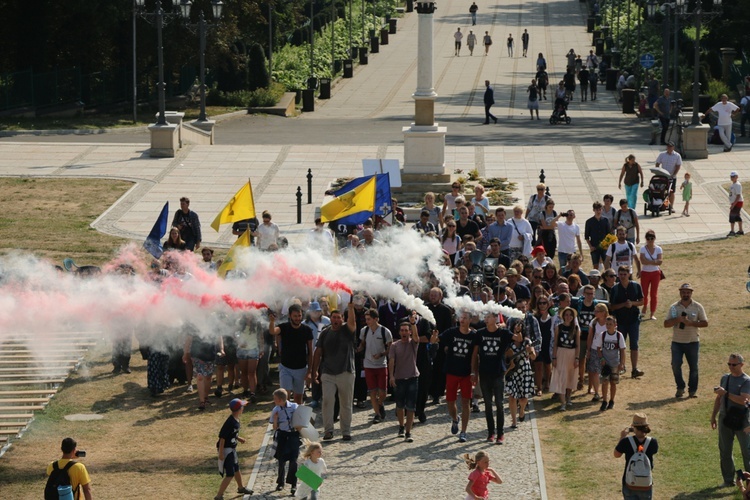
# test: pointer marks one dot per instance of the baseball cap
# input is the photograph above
(670, 143)
(733, 173)
(537, 249)
(236, 404)
(595, 273)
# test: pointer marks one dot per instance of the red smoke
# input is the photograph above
(283, 272)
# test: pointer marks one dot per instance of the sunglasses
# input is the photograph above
(733, 364)
(650, 237)
(455, 187)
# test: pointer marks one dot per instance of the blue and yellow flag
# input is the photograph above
(153, 241)
(355, 201)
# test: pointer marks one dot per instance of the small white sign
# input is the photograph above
(390, 167)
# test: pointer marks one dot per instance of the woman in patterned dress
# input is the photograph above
(519, 379)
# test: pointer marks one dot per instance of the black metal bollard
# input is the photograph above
(309, 186)
(541, 176)
(299, 205)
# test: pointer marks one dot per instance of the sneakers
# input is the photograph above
(462, 437)
(245, 491)
(382, 412)
(636, 373)
(218, 392)
(376, 420)
(490, 437)
(562, 407)
(408, 438)
(603, 407)
(346, 437)
(475, 408)
(327, 436)
(679, 393)
(400, 431)
(293, 491)
(189, 389)
(422, 418)
(454, 426)
(692, 395)
(254, 399)
(731, 233)
(595, 398)
(738, 233)
(500, 439)
(611, 404)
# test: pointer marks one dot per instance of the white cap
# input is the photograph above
(733, 173)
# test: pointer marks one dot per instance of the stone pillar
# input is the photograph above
(165, 141)
(424, 140)
(695, 142)
(727, 59)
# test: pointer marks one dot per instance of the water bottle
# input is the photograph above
(65, 492)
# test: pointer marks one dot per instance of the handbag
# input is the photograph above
(662, 276)
(735, 417)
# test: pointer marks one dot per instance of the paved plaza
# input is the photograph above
(363, 119)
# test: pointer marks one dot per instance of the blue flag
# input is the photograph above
(382, 205)
(153, 241)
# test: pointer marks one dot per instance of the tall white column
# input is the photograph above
(424, 140)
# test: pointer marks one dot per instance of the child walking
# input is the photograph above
(229, 466)
(687, 193)
(611, 348)
(480, 477)
(287, 439)
(313, 456)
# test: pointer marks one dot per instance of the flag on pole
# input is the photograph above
(153, 241)
(355, 202)
(231, 259)
(382, 198)
(240, 207)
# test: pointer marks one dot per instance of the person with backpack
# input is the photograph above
(639, 450)
(628, 218)
(375, 341)
(68, 472)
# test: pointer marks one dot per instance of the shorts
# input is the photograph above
(248, 353)
(632, 333)
(203, 368)
(533, 105)
(609, 374)
(292, 380)
(453, 383)
(229, 357)
(376, 378)
(734, 212)
(231, 467)
(406, 393)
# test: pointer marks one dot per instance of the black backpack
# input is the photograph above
(58, 477)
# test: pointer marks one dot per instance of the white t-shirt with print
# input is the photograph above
(725, 112)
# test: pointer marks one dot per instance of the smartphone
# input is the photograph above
(82, 454)
(740, 474)
(630, 429)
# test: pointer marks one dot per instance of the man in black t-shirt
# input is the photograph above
(625, 301)
(465, 226)
(443, 320)
(296, 352)
(459, 344)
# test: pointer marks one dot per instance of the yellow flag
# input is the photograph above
(230, 260)
(359, 199)
(240, 207)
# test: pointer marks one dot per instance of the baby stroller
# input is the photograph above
(657, 194)
(560, 114)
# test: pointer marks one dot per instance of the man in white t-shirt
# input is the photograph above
(568, 238)
(671, 161)
(735, 205)
(622, 253)
(726, 111)
(458, 36)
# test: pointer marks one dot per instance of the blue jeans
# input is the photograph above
(690, 351)
(406, 393)
(563, 258)
(628, 494)
(631, 193)
(632, 331)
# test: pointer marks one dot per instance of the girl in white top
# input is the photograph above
(435, 211)
(480, 201)
(313, 460)
(450, 240)
(651, 259)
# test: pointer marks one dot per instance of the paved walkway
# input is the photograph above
(364, 119)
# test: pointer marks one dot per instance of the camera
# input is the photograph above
(81, 453)
(682, 325)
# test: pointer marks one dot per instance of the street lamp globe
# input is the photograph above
(218, 7)
(680, 5)
(651, 7)
(185, 8)
(717, 3)
(176, 3)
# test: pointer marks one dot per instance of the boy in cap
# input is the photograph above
(287, 438)
(735, 205)
(629, 446)
(229, 466)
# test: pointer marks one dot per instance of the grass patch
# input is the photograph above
(51, 217)
(577, 445)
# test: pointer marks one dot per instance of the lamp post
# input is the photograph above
(217, 7)
(312, 44)
(160, 17)
(651, 8)
(270, 40)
